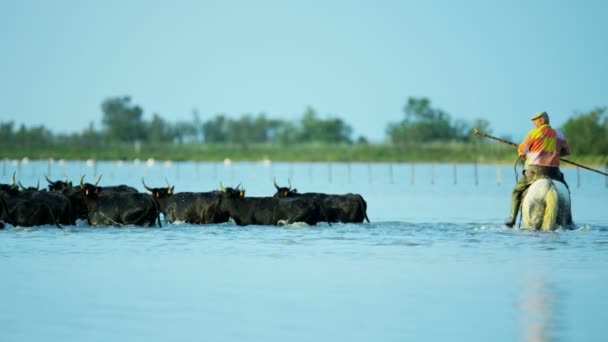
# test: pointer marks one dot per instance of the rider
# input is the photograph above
(542, 148)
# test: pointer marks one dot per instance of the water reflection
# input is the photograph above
(539, 309)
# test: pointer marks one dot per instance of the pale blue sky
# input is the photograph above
(358, 60)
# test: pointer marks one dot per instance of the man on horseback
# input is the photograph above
(542, 148)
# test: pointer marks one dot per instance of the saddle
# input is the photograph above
(535, 172)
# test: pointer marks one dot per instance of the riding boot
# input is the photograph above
(516, 197)
(515, 204)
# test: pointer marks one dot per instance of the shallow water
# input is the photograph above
(434, 264)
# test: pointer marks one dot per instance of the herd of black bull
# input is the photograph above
(63, 204)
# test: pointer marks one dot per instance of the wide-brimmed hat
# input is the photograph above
(540, 115)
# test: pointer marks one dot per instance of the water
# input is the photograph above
(434, 264)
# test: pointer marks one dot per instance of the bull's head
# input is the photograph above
(58, 185)
(284, 191)
(31, 188)
(237, 192)
(90, 190)
(159, 192)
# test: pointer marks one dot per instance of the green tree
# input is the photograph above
(216, 129)
(6, 132)
(185, 131)
(332, 130)
(159, 131)
(587, 133)
(122, 120)
(422, 123)
(248, 130)
(285, 133)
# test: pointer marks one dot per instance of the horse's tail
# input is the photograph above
(551, 208)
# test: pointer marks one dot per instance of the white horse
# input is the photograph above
(546, 205)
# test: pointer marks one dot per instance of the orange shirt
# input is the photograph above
(543, 146)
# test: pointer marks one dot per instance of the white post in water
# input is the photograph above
(348, 174)
(412, 174)
(48, 167)
(310, 172)
(18, 168)
(498, 176)
(476, 174)
(272, 173)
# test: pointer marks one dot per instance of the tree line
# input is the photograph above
(123, 122)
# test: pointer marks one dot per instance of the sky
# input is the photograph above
(356, 60)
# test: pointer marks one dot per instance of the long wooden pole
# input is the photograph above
(478, 132)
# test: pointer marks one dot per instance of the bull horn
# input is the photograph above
(168, 185)
(21, 186)
(275, 182)
(81, 181)
(48, 180)
(38, 185)
(98, 179)
(239, 187)
(288, 183)
(222, 189)
(145, 186)
(13, 178)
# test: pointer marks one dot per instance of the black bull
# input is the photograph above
(189, 207)
(119, 208)
(270, 210)
(30, 207)
(340, 208)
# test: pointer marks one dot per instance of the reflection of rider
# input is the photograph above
(542, 148)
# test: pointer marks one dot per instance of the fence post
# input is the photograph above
(498, 176)
(310, 172)
(18, 168)
(412, 174)
(48, 169)
(348, 173)
(476, 174)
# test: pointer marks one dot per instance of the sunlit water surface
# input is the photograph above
(434, 264)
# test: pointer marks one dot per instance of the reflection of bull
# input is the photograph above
(270, 210)
(546, 205)
(189, 207)
(118, 208)
(340, 208)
